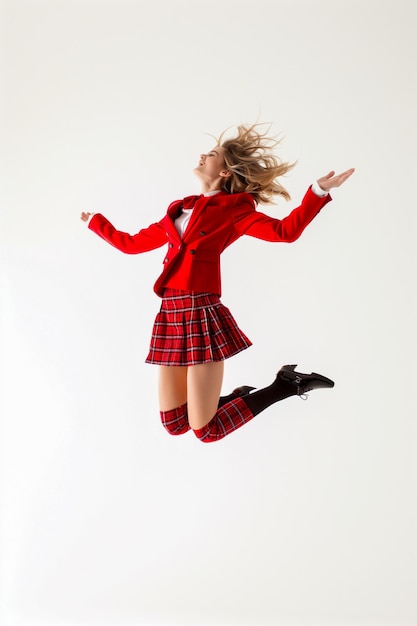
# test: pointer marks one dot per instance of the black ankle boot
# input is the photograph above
(304, 382)
(239, 392)
(287, 383)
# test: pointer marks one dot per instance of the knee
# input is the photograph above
(202, 434)
(208, 433)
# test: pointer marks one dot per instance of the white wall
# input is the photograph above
(307, 515)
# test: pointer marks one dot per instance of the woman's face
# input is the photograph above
(211, 166)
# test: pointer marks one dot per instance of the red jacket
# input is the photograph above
(193, 262)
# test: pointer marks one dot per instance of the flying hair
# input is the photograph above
(254, 167)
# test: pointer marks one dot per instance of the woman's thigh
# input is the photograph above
(204, 383)
(172, 386)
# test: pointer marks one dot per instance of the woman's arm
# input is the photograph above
(250, 222)
(146, 239)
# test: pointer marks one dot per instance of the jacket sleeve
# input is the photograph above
(250, 222)
(146, 239)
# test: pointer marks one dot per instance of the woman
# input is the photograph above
(194, 333)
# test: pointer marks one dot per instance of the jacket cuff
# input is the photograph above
(316, 189)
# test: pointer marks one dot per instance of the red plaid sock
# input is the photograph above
(228, 418)
(176, 421)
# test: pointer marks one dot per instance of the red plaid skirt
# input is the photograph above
(193, 328)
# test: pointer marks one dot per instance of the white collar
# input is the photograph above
(211, 193)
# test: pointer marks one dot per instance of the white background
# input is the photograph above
(307, 515)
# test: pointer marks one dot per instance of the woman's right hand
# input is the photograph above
(85, 216)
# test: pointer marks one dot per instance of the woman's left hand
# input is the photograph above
(334, 180)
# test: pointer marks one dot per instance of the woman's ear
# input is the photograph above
(225, 173)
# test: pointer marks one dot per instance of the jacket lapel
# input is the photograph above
(198, 203)
(202, 203)
(174, 211)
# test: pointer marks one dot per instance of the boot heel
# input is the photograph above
(288, 372)
(242, 391)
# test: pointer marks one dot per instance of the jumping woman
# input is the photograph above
(194, 332)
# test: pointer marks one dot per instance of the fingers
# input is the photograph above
(347, 173)
(341, 178)
(85, 216)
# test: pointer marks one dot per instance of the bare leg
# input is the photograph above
(204, 383)
(172, 386)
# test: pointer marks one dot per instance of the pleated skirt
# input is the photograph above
(193, 328)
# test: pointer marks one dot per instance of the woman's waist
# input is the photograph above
(177, 299)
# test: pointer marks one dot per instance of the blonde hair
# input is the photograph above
(253, 165)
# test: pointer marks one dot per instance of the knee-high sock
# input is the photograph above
(240, 411)
(228, 418)
(176, 420)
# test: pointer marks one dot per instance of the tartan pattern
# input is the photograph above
(175, 421)
(193, 328)
(228, 418)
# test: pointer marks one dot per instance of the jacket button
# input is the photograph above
(166, 260)
(171, 245)
(192, 251)
(202, 233)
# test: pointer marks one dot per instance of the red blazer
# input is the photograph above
(193, 262)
